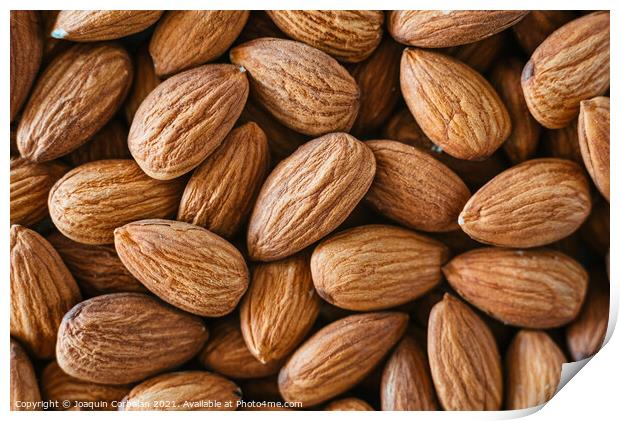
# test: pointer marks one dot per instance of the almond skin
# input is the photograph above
(348, 404)
(101, 25)
(108, 143)
(184, 265)
(144, 81)
(453, 104)
(184, 119)
(221, 192)
(23, 384)
(533, 369)
(537, 25)
(90, 201)
(42, 291)
(375, 267)
(414, 189)
(126, 337)
(308, 195)
(79, 91)
(531, 204)
(571, 65)
(463, 357)
(204, 34)
(339, 356)
(437, 28)
(593, 129)
(536, 289)
(347, 35)
(312, 93)
(586, 334)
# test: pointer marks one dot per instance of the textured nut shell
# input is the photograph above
(348, 404)
(279, 308)
(537, 25)
(79, 91)
(23, 384)
(304, 88)
(308, 195)
(533, 368)
(221, 192)
(204, 34)
(108, 143)
(463, 357)
(529, 288)
(531, 204)
(453, 104)
(571, 65)
(185, 118)
(593, 126)
(437, 28)
(42, 291)
(586, 334)
(93, 199)
(414, 189)
(101, 25)
(347, 35)
(374, 267)
(339, 356)
(126, 337)
(144, 81)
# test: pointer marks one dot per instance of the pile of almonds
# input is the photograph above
(339, 210)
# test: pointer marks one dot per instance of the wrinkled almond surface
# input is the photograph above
(101, 25)
(593, 126)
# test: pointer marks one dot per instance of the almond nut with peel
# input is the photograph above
(593, 126)
(101, 25)
(24, 389)
(348, 404)
(586, 334)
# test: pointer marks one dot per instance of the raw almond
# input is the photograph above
(126, 337)
(348, 404)
(537, 25)
(101, 25)
(586, 334)
(108, 143)
(145, 80)
(531, 204)
(308, 195)
(184, 119)
(304, 88)
(593, 129)
(24, 389)
(536, 289)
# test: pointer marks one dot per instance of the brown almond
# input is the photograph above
(108, 143)
(144, 81)
(101, 25)
(348, 404)
(586, 334)
(24, 389)
(593, 129)
(537, 25)
(596, 230)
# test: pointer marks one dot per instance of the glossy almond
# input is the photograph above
(348, 404)
(571, 65)
(536, 289)
(24, 389)
(126, 337)
(593, 129)
(101, 25)
(184, 119)
(339, 356)
(537, 25)
(79, 91)
(585, 335)
(308, 195)
(93, 199)
(108, 143)
(144, 81)
(531, 204)
(312, 93)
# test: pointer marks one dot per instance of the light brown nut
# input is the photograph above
(144, 81)
(348, 404)
(79, 91)
(24, 389)
(537, 25)
(339, 356)
(101, 25)
(536, 289)
(304, 88)
(531, 204)
(279, 308)
(463, 357)
(376, 267)
(453, 104)
(42, 291)
(184, 119)
(406, 383)
(108, 143)
(308, 195)
(446, 28)
(126, 337)
(593, 129)
(533, 368)
(222, 190)
(347, 35)
(585, 335)
(204, 34)
(91, 200)
(414, 189)
(571, 65)
(480, 55)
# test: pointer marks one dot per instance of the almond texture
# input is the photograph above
(101, 25)
(586, 334)
(593, 126)
(144, 81)
(537, 25)
(108, 143)
(24, 389)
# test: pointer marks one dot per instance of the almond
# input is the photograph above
(537, 25)
(593, 132)
(536, 289)
(184, 119)
(595, 231)
(348, 404)
(204, 34)
(144, 81)
(304, 88)
(24, 389)
(347, 35)
(308, 195)
(586, 334)
(531, 204)
(376, 267)
(42, 291)
(93, 199)
(463, 357)
(414, 189)
(108, 143)
(339, 356)
(571, 65)
(102, 25)
(126, 337)
(160, 253)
